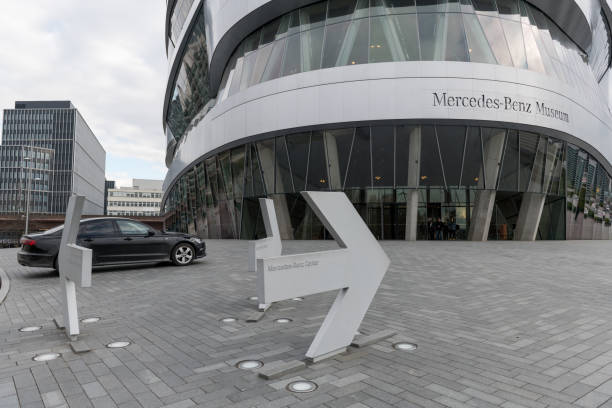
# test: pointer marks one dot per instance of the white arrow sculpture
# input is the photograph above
(356, 270)
(74, 264)
(266, 247)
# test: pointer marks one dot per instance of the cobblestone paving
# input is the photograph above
(497, 325)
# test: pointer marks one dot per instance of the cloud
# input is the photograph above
(107, 57)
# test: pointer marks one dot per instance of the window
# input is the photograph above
(97, 228)
(132, 228)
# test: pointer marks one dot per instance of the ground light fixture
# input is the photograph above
(302, 386)
(118, 344)
(45, 357)
(91, 320)
(283, 320)
(254, 298)
(228, 320)
(404, 346)
(249, 364)
(30, 329)
(297, 299)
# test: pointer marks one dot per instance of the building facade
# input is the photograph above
(108, 184)
(143, 199)
(49, 151)
(444, 119)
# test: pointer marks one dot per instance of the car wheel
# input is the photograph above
(183, 254)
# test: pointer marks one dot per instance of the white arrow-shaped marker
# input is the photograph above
(356, 270)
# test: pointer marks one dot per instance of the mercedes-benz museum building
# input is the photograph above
(439, 119)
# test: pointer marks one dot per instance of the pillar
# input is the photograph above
(484, 201)
(529, 216)
(414, 175)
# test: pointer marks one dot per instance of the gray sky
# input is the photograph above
(107, 57)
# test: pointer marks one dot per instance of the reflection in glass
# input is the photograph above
(478, 47)
(383, 143)
(472, 162)
(298, 145)
(312, 49)
(508, 180)
(431, 166)
(284, 181)
(359, 172)
(528, 143)
(338, 144)
(317, 164)
(451, 140)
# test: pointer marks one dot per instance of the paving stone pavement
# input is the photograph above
(498, 324)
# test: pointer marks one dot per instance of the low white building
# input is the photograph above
(143, 199)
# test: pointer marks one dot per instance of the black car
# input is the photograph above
(114, 241)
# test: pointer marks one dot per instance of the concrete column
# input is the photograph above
(529, 216)
(414, 175)
(266, 156)
(480, 221)
(484, 202)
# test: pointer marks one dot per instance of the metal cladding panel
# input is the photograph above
(399, 92)
(89, 168)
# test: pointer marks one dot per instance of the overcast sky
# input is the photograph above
(107, 57)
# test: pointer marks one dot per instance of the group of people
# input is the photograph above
(442, 229)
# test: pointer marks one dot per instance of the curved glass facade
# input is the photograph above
(599, 56)
(378, 167)
(191, 89)
(335, 33)
(180, 11)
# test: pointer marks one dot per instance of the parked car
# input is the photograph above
(114, 241)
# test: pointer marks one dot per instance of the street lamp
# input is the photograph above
(27, 223)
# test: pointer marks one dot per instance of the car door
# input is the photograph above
(102, 237)
(141, 243)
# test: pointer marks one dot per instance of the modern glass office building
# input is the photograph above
(48, 149)
(440, 119)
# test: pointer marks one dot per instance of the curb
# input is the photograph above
(5, 285)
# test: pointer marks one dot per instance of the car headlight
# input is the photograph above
(196, 240)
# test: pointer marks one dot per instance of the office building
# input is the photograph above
(49, 151)
(448, 119)
(143, 199)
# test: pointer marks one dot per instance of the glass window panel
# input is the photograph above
(340, 10)
(451, 140)
(263, 55)
(431, 35)
(478, 46)
(509, 9)
(226, 172)
(268, 32)
(312, 45)
(236, 78)
(384, 41)
(431, 166)
(556, 187)
(298, 146)
(247, 69)
(534, 59)
(537, 173)
(334, 40)
(495, 35)
(383, 143)
(378, 8)
(359, 171)
(284, 181)
(508, 180)
(467, 7)
(493, 148)
(294, 23)
(450, 6)
(428, 6)
(528, 143)
(406, 32)
(265, 149)
(317, 165)
(485, 6)
(514, 35)
(355, 46)
(407, 159)
(313, 16)
(275, 63)
(258, 183)
(338, 143)
(283, 27)
(456, 48)
(292, 63)
(362, 10)
(471, 174)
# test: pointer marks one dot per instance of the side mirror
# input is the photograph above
(150, 233)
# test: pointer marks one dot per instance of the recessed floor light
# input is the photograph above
(228, 320)
(302, 386)
(45, 357)
(91, 320)
(30, 329)
(249, 364)
(297, 299)
(403, 346)
(254, 298)
(118, 344)
(283, 320)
